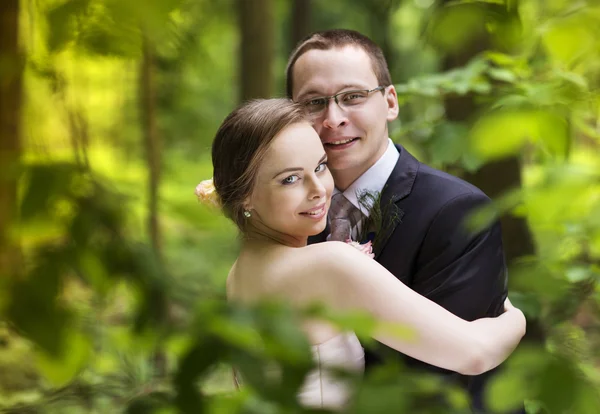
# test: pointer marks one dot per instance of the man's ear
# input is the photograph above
(391, 99)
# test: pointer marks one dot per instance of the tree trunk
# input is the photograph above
(78, 125)
(153, 162)
(256, 48)
(496, 177)
(11, 88)
(151, 141)
(301, 18)
(381, 13)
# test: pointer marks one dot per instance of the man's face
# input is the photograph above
(355, 137)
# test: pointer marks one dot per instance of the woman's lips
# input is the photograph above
(315, 213)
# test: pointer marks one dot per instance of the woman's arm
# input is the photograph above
(347, 280)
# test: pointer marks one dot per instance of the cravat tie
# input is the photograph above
(342, 217)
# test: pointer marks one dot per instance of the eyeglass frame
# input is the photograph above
(335, 98)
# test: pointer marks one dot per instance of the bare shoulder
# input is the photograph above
(311, 263)
(330, 253)
(336, 258)
(320, 272)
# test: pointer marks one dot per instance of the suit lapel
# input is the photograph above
(397, 187)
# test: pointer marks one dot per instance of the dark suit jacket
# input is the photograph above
(431, 251)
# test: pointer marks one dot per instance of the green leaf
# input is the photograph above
(501, 59)
(94, 271)
(507, 391)
(206, 352)
(228, 403)
(35, 296)
(237, 334)
(74, 356)
(448, 142)
(44, 184)
(358, 322)
(452, 27)
(380, 399)
(570, 38)
(594, 245)
(153, 403)
(511, 101)
(587, 399)
(62, 23)
(504, 75)
(558, 385)
(503, 133)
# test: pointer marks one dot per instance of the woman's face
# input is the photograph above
(293, 186)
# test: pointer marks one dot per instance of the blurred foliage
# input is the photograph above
(96, 323)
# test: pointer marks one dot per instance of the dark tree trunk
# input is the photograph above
(381, 13)
(301, 20)
(256, 48)
(11, 88)
(152, 145)
(151, 141)
(496, 178)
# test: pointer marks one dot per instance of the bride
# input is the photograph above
(271, 179)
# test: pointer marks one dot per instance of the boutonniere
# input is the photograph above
(371, 228)
(365, 248)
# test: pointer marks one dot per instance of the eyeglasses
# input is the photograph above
(346, 100)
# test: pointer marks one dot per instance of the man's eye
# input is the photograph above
(321, 167)
(354, 97)
(291, 179)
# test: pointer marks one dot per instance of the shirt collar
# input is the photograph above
(373, 180)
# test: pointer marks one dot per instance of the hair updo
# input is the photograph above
(240, 146)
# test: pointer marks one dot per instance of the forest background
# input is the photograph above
(112, 274)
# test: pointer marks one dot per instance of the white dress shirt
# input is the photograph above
(373, 180)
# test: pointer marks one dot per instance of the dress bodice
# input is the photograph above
(322, 388)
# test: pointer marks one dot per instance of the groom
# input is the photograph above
(342, 78)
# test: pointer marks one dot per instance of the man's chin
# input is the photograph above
(339, 162)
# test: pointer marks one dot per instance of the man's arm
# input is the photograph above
(462, 271)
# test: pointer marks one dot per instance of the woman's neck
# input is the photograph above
(261, 234)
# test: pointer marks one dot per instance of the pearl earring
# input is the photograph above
(247, 213)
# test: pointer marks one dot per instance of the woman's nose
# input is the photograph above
(317, 189)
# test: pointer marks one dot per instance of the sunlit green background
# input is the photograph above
(113, 274)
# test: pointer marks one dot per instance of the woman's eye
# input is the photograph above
(291, 179)
(316, 102)
(321, 167)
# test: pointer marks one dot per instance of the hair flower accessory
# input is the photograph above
(206, 193)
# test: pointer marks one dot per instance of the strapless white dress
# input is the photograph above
(322, 388)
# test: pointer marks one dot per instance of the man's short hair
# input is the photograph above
(339, 38)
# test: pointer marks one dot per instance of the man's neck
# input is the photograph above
(344, 178)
